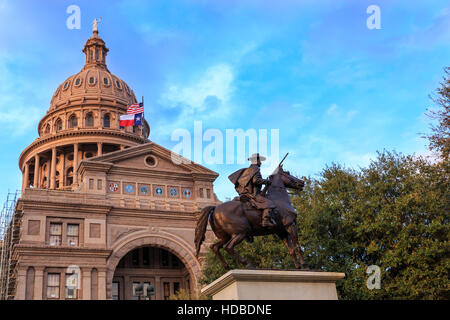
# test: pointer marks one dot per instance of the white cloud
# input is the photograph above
(332, 108)
(356, 160)
(215, 81)
(18, 112)
(153, 35)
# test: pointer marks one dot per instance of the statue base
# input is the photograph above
(243, 284)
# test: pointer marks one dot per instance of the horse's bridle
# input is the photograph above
(283, 173)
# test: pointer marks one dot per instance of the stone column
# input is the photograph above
(127, 288)
(86, 274)
(36, 172)
(99, 148)
(25, 180)
(49, 164)
(101, 284)
(75, 164)
(38, 283)
(21, 284)
(159, 294)
(53, 169)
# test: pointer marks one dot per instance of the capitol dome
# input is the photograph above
(93, 81)
(81, 122)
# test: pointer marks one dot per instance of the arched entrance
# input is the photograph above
(140, 261)
(149, 273)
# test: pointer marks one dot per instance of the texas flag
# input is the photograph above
(131, 120)
(138, 119)
(127, 120)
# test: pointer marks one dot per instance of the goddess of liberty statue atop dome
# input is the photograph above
(95, 24)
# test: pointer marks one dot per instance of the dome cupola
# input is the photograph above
(95, 51)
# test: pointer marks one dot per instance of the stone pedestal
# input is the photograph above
(242, 284)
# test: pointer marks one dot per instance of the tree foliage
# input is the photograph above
(393, 214)
(440, 137)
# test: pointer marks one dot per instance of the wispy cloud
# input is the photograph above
(214, 82)
(18, 113)
(205, 96)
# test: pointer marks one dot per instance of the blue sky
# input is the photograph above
(336, 90)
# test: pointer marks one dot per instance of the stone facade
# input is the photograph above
(103, 209)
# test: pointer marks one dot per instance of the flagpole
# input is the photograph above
(143, 114)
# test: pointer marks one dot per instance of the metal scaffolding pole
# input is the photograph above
(7, 229)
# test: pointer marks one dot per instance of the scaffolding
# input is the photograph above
(9, 236)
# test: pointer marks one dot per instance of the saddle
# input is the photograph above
(246, 201)
(249, 207)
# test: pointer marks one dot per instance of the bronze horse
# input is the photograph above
(234, 221)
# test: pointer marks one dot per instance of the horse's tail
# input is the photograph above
(200, 228)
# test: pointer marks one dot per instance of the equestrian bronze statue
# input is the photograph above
(255, 212)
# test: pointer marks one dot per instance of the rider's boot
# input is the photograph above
(267, 220)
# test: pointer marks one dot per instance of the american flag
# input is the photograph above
(136, 108)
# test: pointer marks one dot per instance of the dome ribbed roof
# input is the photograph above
(94, 81)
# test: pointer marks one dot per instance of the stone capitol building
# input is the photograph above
(104, 212)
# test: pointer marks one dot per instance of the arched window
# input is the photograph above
(57, 180)
(107, 121)
(58, 125)
(44, 183)
(89, 120)
(73, 121)
(69, 176)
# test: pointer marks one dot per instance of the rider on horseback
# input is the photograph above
(248, 183)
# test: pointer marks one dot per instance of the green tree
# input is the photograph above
(440, 137)
(393, 214)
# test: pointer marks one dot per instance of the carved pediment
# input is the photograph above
(152, 157)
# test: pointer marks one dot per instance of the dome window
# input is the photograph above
(78, 82)
(91, 81)
(106, 82)
(66, 85)
(47, 129)
(118, 84)
(107, 121)
(58, 125)
(73, 121)
(128, 90)
(89, 120)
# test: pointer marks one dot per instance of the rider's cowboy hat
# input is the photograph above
(255, 157)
